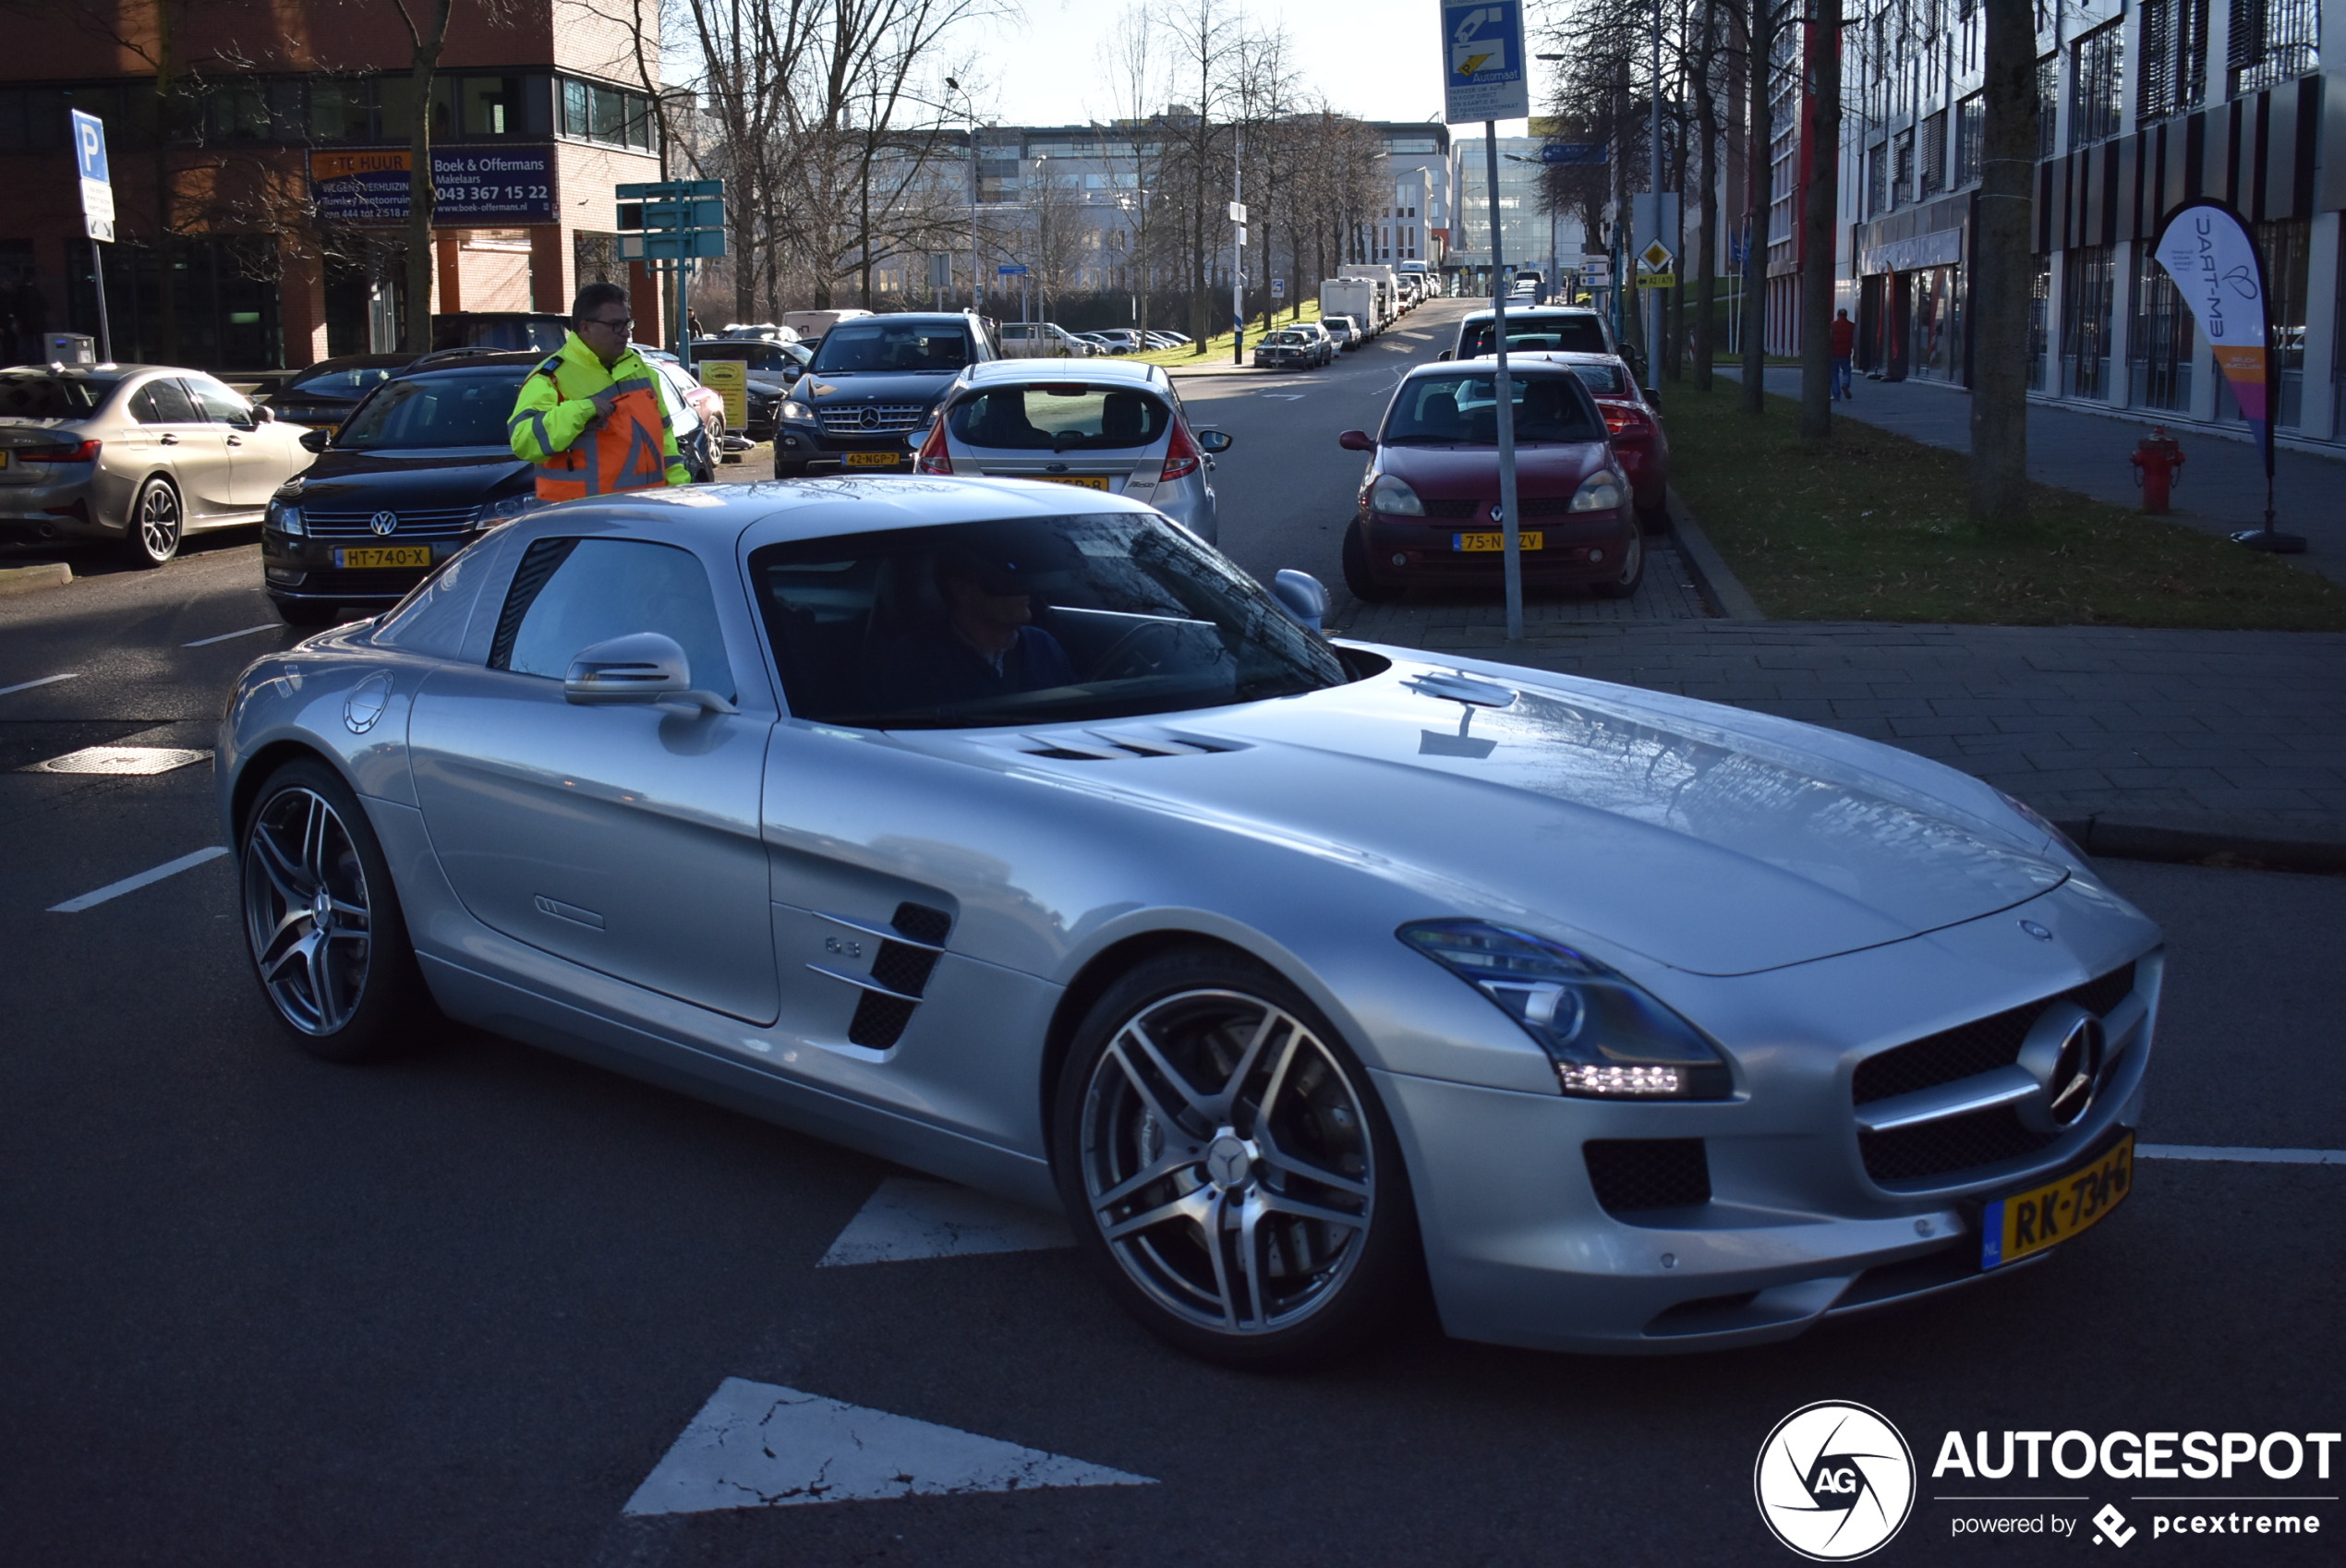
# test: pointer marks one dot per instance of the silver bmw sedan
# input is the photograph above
(139, 456)
(1013, 835)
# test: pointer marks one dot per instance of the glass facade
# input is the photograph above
(2162, 341)
(2087, 275)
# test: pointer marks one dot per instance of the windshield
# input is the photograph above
(1605, 381)
(1026, 621)
(757, 355)
(1556, 334)
(892, 346)
(50, 397)
(352, 381)
(1058, 418)
(435, 411)
(1463, 410)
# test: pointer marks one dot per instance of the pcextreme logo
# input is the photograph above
(1834, 1481)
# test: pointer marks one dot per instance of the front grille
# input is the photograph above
(1631, 1175)
(887, 419)
(1980, 1138)
(414, 522)
(1453, 509)
(1526, 506)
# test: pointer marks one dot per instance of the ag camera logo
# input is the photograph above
(1835, 1481)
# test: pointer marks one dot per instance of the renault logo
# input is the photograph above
(383, 522)
(1496, 515)
(2063, 1054)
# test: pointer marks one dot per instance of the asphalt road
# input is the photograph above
(455, 1310)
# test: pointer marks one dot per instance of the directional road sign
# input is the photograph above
(671, 219)
(97, 185)
(1011, 270)
(1656, 256)
(1483, 72)
(1573, 153)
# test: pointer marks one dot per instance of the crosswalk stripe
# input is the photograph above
(910, 1218)
(44, 680)
(761, 1445)
(231, 636)
(132, 884)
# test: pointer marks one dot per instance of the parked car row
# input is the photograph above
(1303, 344)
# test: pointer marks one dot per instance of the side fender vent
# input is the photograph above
(903, 968)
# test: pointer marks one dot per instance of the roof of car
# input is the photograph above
(449, 359)
(1527, 361)
(1541, 311)
(994, 371)
(782, 509)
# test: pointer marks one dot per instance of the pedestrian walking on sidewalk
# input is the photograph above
(1844, 349)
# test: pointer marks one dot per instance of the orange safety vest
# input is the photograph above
(622, 451)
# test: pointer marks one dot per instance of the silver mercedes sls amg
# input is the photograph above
(1039, 849)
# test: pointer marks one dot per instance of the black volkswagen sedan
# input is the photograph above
(874, 380)
(418, 471)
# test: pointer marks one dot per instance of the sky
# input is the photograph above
(1374, 59)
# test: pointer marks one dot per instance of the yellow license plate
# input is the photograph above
(4, 460)
(871, 459)
(392, 555)
(2028, 1223)
(1089, 482)
(1528, 538)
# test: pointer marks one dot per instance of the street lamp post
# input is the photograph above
(977, 287)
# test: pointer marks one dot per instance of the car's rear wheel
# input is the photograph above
(1632, 573)
(1356, 574)
(1654, 519)
(157, 524)
(328, 944)
(1229, 1169)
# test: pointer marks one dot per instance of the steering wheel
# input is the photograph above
(1144, 650)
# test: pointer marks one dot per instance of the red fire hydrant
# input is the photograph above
(2158, 466)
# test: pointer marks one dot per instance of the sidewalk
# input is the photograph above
(2222, 487)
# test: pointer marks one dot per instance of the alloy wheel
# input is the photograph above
(1226, 1161)
(307, 911)
(158, 521)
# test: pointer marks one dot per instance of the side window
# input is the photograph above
(161, 403)
(218, 404)
(571, 594)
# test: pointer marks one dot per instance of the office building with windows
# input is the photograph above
(276, 234)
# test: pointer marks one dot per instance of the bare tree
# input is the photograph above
(1820, 198)
(1198, 36)
(1129, 63)
(2005, 274)
(1760, 52)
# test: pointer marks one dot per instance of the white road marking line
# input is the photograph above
(2242, 1156)
(44, 680)
(760, 1445)
(132, 884)
(910, 1218)
(231, 636)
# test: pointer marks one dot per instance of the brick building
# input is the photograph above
(281, 148)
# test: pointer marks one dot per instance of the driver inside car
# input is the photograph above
(987, 645)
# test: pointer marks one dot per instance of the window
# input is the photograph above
(568, 595)
(1934, 155)
(1902, 167)
(491, 105)
(606, 114)
(2174, 76)
(339, 110)
(2096, 83)
(235, 111)
(218, 404)
(1877, 178)
(42, 396)
(2273, 40)
(1971, 126)
(2158, 350)
(163, 402)
(2088, 278)
(2047, 103)
(576, 115)
(434, 412)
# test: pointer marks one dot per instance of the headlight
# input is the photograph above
(793, 409)
(1393, 496)
(505, 510)
(1607, 1038)
(285, 518)
(2043, 825)
(1597, 492)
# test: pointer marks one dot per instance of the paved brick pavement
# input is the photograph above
(2223, 480)
(2144, 741)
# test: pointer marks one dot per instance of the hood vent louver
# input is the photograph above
(1101, 745)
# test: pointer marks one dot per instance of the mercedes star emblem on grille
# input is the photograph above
(383, 522)
(2064, 1053)
(871, 417)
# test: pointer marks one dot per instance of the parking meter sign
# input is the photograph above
(1482, 62)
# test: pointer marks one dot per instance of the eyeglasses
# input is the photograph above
(621, 322)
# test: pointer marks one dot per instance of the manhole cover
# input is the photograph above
(119, 759)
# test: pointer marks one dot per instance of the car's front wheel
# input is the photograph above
(328, 944)
(1229, 1169)
(1632, 570)
(1358, 576)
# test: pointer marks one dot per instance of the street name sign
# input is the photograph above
(671, 219)
(1573, 153)
(1483, 74)
(1011, 270)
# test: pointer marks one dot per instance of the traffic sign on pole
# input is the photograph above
(97, 210)
(1573, 153)
(1010, 269)
(1483, 70)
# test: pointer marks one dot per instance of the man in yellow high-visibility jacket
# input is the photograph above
(590, 418)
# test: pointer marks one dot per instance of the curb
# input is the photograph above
(2215, 841)
(32, 579)
(1719, 585)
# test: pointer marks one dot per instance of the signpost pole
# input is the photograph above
(1510, 533)
(98, 276)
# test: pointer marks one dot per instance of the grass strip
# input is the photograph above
(1219, 347)
(1871, 525)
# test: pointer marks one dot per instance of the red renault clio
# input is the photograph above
(1428, 511)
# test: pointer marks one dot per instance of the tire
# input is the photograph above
(158, 525)
(1633, 572)
(1357, 575)
(1654, 520)
(308, 612)
(1229, 1170)
(323, 921)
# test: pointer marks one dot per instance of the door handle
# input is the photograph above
(236, 440)
(170, 440)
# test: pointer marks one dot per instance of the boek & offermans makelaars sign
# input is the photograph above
(500, 186)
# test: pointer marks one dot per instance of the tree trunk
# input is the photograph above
(422, 198)
(1820, 204)
(1759, 187)
(2004, 274)
(166, 347)
(1705, 262)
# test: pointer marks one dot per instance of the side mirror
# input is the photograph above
(1357, 441)
(1212, 440)
(645, 667)
(791, 373)
(263, 413)
(1443, 354)
(316, 440)
(1301, 595)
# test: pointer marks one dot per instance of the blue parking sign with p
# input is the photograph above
(90, 147)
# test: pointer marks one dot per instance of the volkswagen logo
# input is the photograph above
(383, 522)
(871, 417)
(1834, 1481)
(2063, 1054)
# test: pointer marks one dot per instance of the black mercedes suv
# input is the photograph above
(875, 381)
